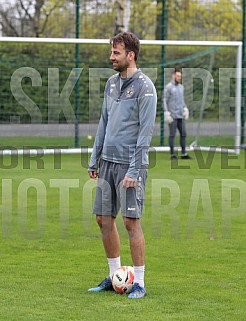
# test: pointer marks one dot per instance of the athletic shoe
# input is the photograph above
(105, 285)
(137, 292)
(174, 157)
(185, 157)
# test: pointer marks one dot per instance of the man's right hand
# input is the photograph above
(167, 117)
(93, 174)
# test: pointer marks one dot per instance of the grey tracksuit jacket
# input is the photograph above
(126, 124)
(173, 100)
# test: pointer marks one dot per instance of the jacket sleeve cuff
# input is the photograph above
(133, 173)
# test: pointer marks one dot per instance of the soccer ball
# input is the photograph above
(123, 279)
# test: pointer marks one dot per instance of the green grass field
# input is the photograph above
(51, 250)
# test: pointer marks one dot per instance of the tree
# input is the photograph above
(143, 18)
(123, 12)
(204, 20)
(27, 17)
(98, 18)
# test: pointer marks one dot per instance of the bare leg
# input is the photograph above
(110, 236)
(137, 242)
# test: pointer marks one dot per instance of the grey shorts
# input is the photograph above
(111, 195)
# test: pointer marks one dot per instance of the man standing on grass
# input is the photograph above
(176, 112)
(120, 151)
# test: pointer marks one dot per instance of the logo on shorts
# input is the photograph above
(131, 209)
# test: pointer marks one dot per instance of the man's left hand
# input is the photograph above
(186, 113)
(129, 182)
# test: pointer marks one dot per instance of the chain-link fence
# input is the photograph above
(184, 19)
(162, 19)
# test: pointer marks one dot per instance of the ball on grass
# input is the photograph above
(123, 279)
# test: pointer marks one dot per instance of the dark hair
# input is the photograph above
(177, 70)
(130, 41)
